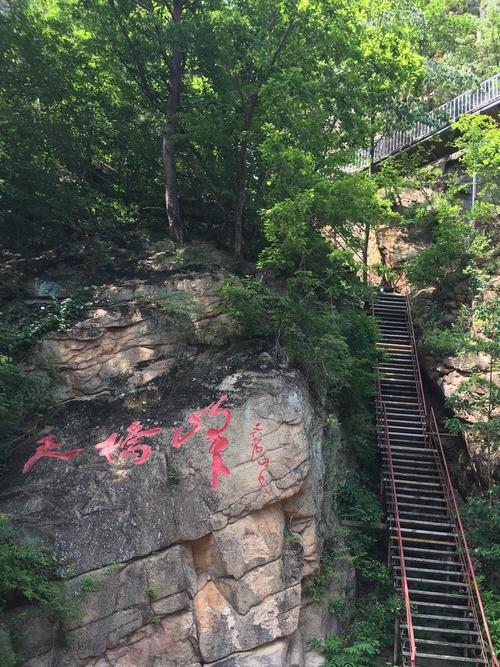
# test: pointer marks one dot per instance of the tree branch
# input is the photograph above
(140, 70)
(281, 44)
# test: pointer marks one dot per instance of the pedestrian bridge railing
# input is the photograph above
(486, 95)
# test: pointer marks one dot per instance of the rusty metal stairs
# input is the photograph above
(443, 623)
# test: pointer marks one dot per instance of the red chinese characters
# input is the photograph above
(257, 446)
(130, 444)
(262, 460)
(47, 449)
(218, 442)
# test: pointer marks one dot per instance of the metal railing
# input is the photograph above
(416, 366)
(475, 603)
(433, 441)
(437, 120)
(393, 502)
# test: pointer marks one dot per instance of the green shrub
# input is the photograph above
(456, 249)
(20, 330)
(491, 604)
(481, 517)
(22, 395)
(367, 636)
(27, 573)
(333, 346)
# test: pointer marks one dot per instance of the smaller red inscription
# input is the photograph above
(264, 483)
(46, 449)
(262, 460)
(257, 446)
(130, 444)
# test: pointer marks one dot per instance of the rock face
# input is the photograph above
(189, 531)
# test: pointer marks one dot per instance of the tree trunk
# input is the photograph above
(176, 63)
(241, 179)
(240, 199)
(170, 171)
(366, 239)
(489, 453)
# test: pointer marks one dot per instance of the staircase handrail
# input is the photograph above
(414, 354)
(473, 100)
(404, 580)
(462, 543)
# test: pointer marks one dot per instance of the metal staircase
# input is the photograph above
(444, 624)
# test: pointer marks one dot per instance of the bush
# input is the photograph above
(22, 395)
(367, 636)
(456, 248)
(20, 330)
(27, 573)
(481, 518)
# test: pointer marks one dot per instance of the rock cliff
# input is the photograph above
(183, 480)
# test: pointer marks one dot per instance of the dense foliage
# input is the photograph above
(115, 113)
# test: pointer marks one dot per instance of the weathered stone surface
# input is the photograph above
(221, 630)
(168, 570)
(164, 644)
(134, 334)
(271, 655)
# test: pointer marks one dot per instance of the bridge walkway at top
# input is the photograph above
(484, 98)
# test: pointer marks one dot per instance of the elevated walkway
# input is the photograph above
(483, 99)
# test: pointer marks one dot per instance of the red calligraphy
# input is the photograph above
(130, 444)
(257, 446)
(262, 460)
(264, 483)
(218, 442)
(46, 449)
(194, 419)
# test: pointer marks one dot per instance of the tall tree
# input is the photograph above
(154, 50)
(389, 74)
(261, 64)
(244, 46)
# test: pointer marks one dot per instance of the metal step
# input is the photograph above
(427, 452)
(399, 474)
(437, 642)
(424, 603)
(400, 427)
(435, 594)
(433, 533)
(402, 483)
(402, 464)
(452, 631)
(422, 515)
(422, 502)
(438, 582)
(404, 420)
(436, 656)
(406, 496)
(406, 437)
(441, 552)
(423, 522)
(398, 408)
(413, 461)
(454, 619)
(431, 561)
(423, 507)
(409, 568)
